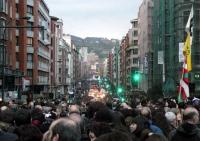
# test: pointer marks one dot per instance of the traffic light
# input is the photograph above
(119, 90)
(135, 77)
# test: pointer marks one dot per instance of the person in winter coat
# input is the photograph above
(188, 130)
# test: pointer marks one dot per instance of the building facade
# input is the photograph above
(110, 66)
(28, 51)
(132, 57)
(74, 62)
(145, 43)
(54, 46)
(169, 21)
(124, 44)
(8, 73)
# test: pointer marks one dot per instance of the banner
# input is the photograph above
(181, 55)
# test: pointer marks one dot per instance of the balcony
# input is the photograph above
(43, 67)
(29, 65)
(43, 80)
(29, 33)
(30, 2)
(44, 41)
(43, 53)
(44, 12)
(30, 50)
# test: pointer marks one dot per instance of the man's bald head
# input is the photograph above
(191, 115)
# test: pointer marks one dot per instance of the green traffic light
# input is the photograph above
(136, 77)
(120, 90)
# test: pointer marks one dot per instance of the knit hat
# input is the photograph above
(170, 116)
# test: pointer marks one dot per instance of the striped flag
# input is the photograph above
(184, 92)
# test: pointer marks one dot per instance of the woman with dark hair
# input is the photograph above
(137, 126)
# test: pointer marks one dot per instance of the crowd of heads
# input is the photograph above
(139, 120)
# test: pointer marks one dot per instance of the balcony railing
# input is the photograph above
(43, 53)
(43, 80)
(43, 67)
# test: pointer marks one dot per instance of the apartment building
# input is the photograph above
(145, 43)
(122, 52)
(169, 21)
(132, 56)
(28, 42)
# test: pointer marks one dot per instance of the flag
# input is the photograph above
(188, 44)
(184, 92)
(189, 25)
(187, 52)
(184, 84)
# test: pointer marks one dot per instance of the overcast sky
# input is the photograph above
(95, 18)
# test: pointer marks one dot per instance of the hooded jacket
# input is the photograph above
(185, 132)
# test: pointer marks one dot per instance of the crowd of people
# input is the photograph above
(139, 120)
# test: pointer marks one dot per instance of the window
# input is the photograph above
(135, 51)
(17, 57)
(135, 61)
(17, 41)
(30, 10)
(2, 24)
(135, 33)
(17, 8)
(17, 22)
(29, 57)
(30, 41)
(59, 70)
(135, 42)
(30, 24)
(30, 73)
(3, 6)
(135, 24)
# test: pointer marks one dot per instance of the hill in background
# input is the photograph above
(101, 46)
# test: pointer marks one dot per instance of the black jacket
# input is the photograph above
(185, 132)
